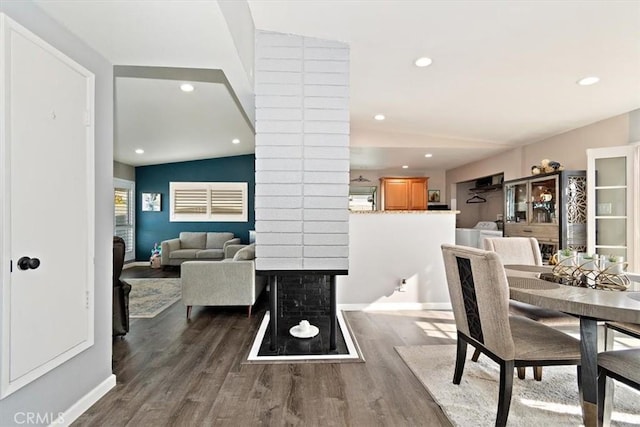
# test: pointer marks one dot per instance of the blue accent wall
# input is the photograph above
(152, 227)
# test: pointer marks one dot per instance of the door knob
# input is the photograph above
(26, 263)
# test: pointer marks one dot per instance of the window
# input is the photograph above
(123, 214)
(208, 201)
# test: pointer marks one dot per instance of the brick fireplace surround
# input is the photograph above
(302, 180)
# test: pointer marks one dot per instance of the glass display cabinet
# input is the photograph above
(614, 177)
(550, 207)
(516, 202)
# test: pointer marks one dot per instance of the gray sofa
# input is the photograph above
(196, 246)
(229, 282)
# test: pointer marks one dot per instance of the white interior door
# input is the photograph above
(612, 181)
(48, 207)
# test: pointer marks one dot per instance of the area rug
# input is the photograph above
(150, 297)
(554, 401)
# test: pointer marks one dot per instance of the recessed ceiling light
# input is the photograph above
(186, 87)
(405, 167)
(235, 141)
(428, 155)
(423, 62)
(139, 151)
(379, 117)
(588, 81)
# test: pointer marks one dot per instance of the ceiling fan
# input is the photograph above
(360, 179)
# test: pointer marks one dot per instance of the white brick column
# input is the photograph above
(302, 153)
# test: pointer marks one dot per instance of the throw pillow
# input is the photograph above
(246, 253)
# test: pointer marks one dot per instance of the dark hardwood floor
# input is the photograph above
(138, 272)
(171, 372)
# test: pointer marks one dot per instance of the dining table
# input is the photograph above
(589, 305)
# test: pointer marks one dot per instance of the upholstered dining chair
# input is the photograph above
(621, 365)
(630, 329)
(480, 299)
(526, 251)
(515, 250)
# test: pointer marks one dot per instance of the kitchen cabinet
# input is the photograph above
(550, 207)
(614, 177)
(404, 193)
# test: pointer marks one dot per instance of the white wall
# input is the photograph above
(568, 148)
(386, 247)
(65, 386)
(122, 171)
(634, 126)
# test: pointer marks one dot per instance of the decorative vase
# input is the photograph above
(616, 267)
(566, 260)
(586, 262)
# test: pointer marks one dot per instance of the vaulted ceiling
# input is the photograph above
(504, 73)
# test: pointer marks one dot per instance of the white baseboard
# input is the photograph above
(393, 306)
(85, 402)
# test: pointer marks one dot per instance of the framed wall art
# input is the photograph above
(151, 202)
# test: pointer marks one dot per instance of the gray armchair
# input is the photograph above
(229, 282)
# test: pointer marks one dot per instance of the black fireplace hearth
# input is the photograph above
(296, 295)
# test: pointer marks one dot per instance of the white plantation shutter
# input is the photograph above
(226, 201)
(209, 201)
(190, 201)
(124, 214)
(122, 209)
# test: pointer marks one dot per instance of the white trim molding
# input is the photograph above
(73, 413)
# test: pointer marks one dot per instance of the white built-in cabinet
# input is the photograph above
(47, 208)
(613, 180)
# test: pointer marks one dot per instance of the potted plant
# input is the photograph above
(587, 261)
(614, 264)
(566, 256)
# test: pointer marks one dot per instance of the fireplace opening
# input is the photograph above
(299, 296)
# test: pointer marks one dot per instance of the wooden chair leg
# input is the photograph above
(476, 355)
(249, 311)
(189, 312)
(521, 372)
(461, 355)
(537, 373)
(504, 398)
